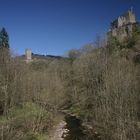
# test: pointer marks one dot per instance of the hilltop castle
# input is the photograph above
(124, 25)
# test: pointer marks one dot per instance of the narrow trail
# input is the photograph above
(58, 131)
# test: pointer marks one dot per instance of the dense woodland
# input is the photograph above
(99, 83)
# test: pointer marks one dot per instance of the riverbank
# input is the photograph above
(58, 130)
(68, 127)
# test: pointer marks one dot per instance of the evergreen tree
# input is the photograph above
(4, 47)
(4, 39)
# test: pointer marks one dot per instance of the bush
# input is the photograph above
(29, 117)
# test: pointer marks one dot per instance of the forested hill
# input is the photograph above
(41, 56)
(99, 85)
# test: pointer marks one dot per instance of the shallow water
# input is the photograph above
(75, 128)
(69, 128)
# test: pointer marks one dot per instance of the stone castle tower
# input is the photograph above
(28, 55)
(123, 25)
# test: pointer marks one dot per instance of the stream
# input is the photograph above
(70, 128)
(75, 129)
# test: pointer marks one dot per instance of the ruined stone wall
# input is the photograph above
(28, 55)
(123, 26)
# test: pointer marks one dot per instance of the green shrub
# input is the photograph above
(25, 121)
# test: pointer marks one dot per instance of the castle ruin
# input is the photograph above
(28, 55)
(124, 25)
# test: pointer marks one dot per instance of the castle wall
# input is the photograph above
(131, 17)
(123, 26)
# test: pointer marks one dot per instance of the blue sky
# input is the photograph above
(56, 26)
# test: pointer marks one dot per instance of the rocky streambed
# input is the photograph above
(70, 128)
